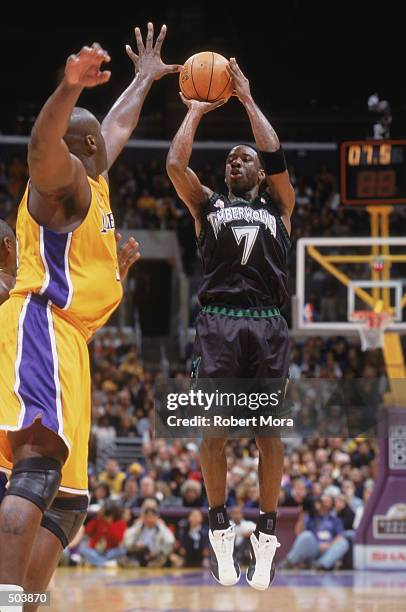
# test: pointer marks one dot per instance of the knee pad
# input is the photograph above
(36, 479)
(65, 517)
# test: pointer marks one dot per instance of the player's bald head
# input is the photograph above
(82, 123)
(84, 139)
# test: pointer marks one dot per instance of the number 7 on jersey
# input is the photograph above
(250, 232)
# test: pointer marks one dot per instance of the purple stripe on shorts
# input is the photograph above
(54, 251)
(37, 385)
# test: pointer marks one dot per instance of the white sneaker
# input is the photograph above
(222, 564)
(261, 569)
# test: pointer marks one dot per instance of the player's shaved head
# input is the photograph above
(85, 140)
(82, 122)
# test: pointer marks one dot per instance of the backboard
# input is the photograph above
(337, 276)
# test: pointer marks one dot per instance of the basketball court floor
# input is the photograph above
(142, 590)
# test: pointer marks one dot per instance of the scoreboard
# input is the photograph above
(373, 172)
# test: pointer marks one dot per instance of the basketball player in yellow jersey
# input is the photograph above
(47, 546)
(67, 286)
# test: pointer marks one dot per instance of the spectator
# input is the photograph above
(253, 497)
(363, 455)
(147, 490)
(129, 496)
(347, 516)
(191, 491)
(194, 544)
(297, 495)
(148, 542)
(360, 510)
(100, 494)
(104, 537)
(243, 530)
(357, 478)
(344, 513)
(127, 427)
(113, 476)
(321, 540)
(353, 500)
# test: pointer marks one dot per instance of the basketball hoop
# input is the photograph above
(372, 327)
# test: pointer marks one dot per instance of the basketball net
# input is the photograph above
(372, 326)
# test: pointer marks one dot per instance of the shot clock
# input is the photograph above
(373, 172)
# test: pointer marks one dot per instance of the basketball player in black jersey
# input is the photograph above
(243, 240)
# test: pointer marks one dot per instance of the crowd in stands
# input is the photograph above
(143, 197)
(327, 479)
(137, 516)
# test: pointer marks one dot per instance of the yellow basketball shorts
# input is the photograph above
(45, 374)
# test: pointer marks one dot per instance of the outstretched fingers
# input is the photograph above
(160, 39)
(150, 36)
(140, 43)
(133, 56)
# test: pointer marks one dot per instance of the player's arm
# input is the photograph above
(186, 182)
(267, 142)
(123, 117)
(56, 175)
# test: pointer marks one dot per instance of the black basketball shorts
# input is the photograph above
(235, 343)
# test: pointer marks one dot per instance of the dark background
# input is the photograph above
(312, 65)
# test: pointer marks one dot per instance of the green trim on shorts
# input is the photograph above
(244, 313)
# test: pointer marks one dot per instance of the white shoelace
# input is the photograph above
(265, 555)
(226, 550)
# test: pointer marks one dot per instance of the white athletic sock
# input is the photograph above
(13, 588)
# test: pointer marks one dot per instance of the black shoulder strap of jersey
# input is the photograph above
(214, 196)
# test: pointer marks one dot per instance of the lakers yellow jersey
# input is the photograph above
(77, 272)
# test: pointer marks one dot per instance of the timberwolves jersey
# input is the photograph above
(244, 247)
(76, 272)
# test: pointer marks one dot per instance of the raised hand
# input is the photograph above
(83, 69)
(199, 106)
(241, 84)
(127, 255)
(148, 62)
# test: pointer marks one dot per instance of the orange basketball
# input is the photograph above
(204, 77)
